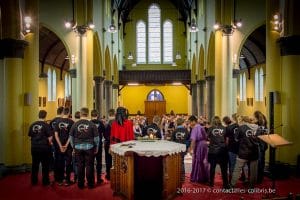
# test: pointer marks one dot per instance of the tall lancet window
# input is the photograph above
(141, 42)
(168, 42)
(154, 40)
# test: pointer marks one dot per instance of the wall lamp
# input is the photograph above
(277, 22)
(79, 29)
(130, 56)
(178, 56)
(27, 22)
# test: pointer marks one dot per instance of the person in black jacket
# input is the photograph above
(108, 157)
(84, 139)
(231, 141)
(153, 128)
(248, 151)
(261, 121)
(217, 151)
(63, 150)
(101, 130)
(181, 135)
(41, 139)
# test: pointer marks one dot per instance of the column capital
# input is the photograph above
(235, 73)
(12, 48)
(115, 86)
(108, 82)
(227, 30)
(73, 73)
(289, 45)
(210, 78)
(98, 79)
(200, 82)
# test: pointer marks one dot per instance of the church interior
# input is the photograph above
(203, 58)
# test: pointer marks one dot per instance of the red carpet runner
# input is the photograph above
(18, 187)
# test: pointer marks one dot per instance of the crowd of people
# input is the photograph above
(75, 145)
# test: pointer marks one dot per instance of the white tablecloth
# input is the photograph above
(148, 148)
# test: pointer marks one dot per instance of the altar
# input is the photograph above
(147, 169)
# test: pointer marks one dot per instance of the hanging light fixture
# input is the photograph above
(130, 56)
(112, 27)
(193, 26)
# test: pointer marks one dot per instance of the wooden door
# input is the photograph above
(154, 108)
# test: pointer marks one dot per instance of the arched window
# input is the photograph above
(51, 84)
(54, 85)
(67, 85)
(154, 43)
(243, 87)
(155, 95)
(141, 42)
(256, 85)
(168, 42)
(261, 84)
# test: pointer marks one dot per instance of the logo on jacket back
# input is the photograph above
(151, 130)
(37, 128)
(83, 128)
(250, 133)
(180, 135)
(218, 132)
(63, 125)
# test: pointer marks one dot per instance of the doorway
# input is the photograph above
(154, 105)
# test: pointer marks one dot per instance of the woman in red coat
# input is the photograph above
(121, 128)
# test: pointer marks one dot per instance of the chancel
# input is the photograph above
(148, 99)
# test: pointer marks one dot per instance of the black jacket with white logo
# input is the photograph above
(248, 147)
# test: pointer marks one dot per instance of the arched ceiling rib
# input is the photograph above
(52, 51)
(253, 51)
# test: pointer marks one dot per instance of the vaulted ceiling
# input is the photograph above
(54, 53)
(253, 51)
(125, 6)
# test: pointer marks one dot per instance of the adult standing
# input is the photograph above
(108, 158)
(199, 150)
(121, 128)
(63, 150)
(248, 151)
(41, 139)
(101, 129)
(217, 151)
(231, 141)
(84, 139)
(261, 121)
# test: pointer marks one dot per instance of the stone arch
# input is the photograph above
(98, 60)
(107, 63)
(210, 65)
(115, 70)
(194, 66)
(201, 75)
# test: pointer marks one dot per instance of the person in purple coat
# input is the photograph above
(199, 150)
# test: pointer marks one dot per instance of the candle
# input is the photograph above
(151, 136)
